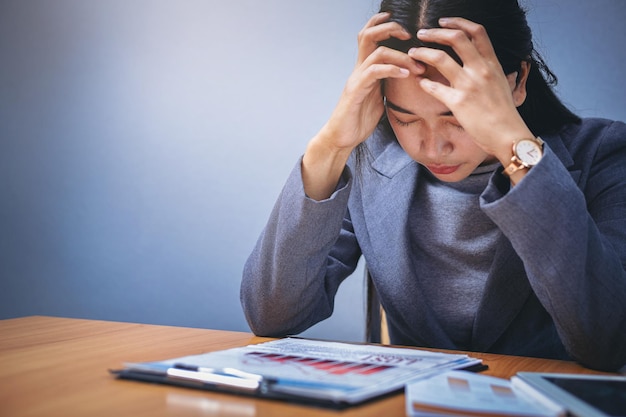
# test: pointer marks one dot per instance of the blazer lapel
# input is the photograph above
(558, 147)
(386, 203)
(506, 291)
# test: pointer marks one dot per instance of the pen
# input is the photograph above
(220, 376)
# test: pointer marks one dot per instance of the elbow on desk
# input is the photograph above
(611, 358)
(270, 319)
(261, 326)
(264, 326)
(280, 315)
(263, 318)
(600, 364)
(615, 363)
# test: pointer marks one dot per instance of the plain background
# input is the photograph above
(143, 142)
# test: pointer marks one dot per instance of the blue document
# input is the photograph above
(326, 373)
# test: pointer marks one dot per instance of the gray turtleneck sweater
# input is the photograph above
(454, 245)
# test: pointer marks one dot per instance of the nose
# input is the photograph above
(435, 145)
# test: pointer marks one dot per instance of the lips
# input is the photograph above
(442, 169)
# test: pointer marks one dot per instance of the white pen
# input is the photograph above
(219, 376)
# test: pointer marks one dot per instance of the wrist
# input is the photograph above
(506, 137)
(332, 141)
(322, 165)
(325, 147)
(525, 154)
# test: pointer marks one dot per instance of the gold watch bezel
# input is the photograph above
(516, 163)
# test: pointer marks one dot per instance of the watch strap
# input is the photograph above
(514, 166)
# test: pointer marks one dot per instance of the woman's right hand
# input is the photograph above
(360, 106)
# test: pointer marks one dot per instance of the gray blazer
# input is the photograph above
(557, 285)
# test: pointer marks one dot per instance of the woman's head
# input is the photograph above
(504, 21)
(425, 128)
(507, 27)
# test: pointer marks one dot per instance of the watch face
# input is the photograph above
(528, 151)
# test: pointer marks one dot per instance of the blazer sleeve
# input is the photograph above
(305, 251)
(572, 242)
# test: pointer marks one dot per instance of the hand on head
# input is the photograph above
(482, 98)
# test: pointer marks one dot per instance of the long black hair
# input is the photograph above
(507, 27)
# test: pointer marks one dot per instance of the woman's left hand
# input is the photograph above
(479, 94)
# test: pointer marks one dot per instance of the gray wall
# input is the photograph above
(143, 142)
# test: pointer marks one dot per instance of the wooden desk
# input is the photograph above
(58, 367)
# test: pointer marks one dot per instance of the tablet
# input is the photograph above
(582, 395)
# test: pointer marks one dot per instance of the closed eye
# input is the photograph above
(456, 126)
(402, 122)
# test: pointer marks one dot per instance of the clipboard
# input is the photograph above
(327, 374)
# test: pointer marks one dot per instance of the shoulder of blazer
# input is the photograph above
(579, 145)
(385, 155)
(580, 141)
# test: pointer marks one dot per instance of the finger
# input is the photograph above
(375, 34)
(377, 19)
(382, 18)
(438, 59)
(379, 25)
(371, 35)
(456, 39)
(468, 39)
(445, 94)
(384, 55)
(477, 33)
(379, 72)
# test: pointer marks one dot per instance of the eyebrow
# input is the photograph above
(399, 109)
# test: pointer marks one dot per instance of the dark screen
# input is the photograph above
(607, 396)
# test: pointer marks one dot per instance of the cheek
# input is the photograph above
(408, 138)
(469, 152)
(410, 144)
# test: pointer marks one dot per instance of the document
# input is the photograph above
(326, 373)
(465, 393)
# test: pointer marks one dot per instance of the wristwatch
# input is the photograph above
(527, 153)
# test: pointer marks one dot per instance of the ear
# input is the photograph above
(517, 82)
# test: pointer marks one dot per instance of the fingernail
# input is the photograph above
(444, 21)
(422, 32)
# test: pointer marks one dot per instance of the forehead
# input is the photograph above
(407, 94)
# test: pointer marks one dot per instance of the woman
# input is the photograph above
(491, 218)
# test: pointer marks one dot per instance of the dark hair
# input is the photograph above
(507, 27)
